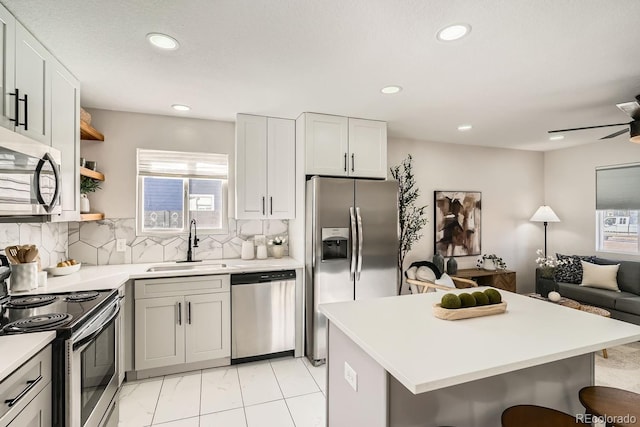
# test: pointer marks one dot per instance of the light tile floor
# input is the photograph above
(283, 392)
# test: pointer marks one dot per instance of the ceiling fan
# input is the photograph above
(632, 109)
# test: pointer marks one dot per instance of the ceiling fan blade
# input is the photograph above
(613, 135)
(587, 127)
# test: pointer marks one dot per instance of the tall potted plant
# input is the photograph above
(412, 217)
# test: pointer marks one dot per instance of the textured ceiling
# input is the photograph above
(527, 66)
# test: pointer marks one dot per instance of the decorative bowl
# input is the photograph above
(63, 271)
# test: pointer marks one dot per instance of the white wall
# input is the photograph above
(571, 192)
(124, 132)
(511, 182)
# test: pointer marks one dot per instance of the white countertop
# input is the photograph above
(17, 349)
(113, 276)
(426, 353)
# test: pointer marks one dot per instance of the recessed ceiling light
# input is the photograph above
(556, 138)
(453, 32)
(180, 107)
(163, 41)
(389, 90)
(463, 128)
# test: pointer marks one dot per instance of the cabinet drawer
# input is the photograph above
(17, 390)
(180, 286)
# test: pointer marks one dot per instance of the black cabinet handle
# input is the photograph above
(270, 205)
(179, 313)
(30, 384)
(189, 312)
(16, 106)
(263, 211)
(26, 112)
(353, 163)
(345, 162)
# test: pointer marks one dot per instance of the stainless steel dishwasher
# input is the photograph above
(263, 307)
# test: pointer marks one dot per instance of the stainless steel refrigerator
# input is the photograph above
(352, 248)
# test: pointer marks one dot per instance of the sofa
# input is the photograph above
(623, 305)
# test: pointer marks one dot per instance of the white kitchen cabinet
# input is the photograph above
(32, 82)
(208, 327)
(37, 413)
(342, 146)
(367, 148)
(181, 320)
(65, 136)
(159, 339)
(265, 167)
(7, 68)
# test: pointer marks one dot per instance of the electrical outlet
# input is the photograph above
(121, 245)
(351, 376)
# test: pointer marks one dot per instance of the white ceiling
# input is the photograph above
(526, 67)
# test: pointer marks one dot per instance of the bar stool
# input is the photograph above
(537, 416)
(621, 407)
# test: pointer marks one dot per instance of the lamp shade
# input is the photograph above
(545, 214)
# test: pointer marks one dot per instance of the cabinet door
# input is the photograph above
(367, 148)
(33, 64)
(65, 136)
(7, 67)
(281, 168)
(251, 167)
(326, 145)
(37, 413)
(208, 331)
(159, 332)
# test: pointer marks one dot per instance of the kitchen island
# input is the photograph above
(392, 363)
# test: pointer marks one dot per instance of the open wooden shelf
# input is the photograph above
(91, 216)
(88, 132)
(91, 174)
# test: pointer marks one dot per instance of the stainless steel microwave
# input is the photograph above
(29, 179)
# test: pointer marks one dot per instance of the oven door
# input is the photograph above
(92, 358)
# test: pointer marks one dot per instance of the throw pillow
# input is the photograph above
(570, 270)
(600, 276)
(411, 273)
(446, 280)
(425, 274)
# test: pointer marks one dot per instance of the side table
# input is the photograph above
(501, 279)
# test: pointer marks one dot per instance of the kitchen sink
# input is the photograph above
(185, 267)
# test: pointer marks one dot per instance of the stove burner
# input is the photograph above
(44, 322)
(31, 301)
(82, 296)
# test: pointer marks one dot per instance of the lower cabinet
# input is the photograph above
(193, 326)
(26, 393)
(37, 413)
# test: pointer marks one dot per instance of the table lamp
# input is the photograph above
(545, 215)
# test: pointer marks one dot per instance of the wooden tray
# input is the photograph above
(468, 313)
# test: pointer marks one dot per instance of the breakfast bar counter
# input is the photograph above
(392, 363)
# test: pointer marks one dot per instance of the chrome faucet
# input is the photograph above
(192, 225)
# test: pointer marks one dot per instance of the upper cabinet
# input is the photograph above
(341, 146)
(26, 68)
(32, 86)
(65, 137)
(265, 167)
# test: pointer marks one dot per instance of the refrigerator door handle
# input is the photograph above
(353, 243)
(360, 238)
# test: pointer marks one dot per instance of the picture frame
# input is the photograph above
(458, 223)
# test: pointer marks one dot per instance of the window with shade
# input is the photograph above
(617, 209)
(175, 187)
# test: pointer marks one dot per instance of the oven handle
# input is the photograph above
(84, 340)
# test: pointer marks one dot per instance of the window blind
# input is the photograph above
(182, 164)
(618, 187)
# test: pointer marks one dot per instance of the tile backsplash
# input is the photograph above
(50, 238)
(95, 242)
